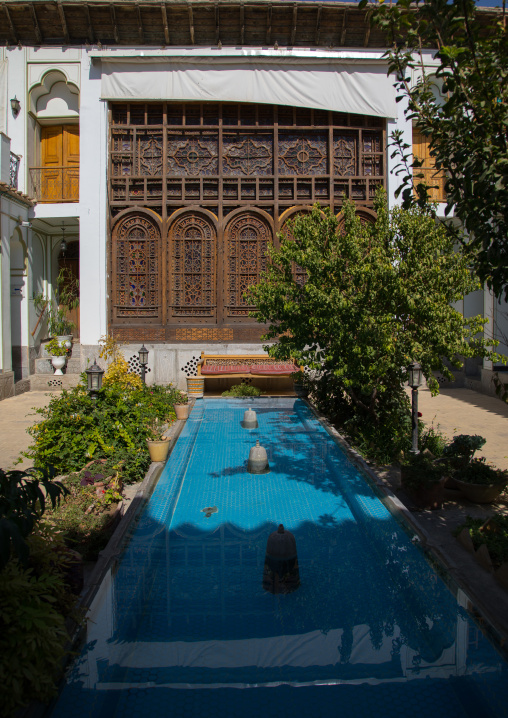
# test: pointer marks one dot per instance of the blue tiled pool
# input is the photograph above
(184, 628)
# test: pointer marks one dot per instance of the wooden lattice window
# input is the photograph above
(192, 269)
(248, 236)
(299, 274)
(219, 180)
(136, 246)
(431, 176)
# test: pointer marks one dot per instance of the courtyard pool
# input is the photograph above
(183, 627)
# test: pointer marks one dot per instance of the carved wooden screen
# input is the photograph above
(136, 252)
(222, 157)
(248, 236)
(193, 267)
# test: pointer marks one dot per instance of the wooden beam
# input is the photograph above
(191, 24)
(11, 25)
(318, 24)
(91, 34)
(165, 22)
(64, 23)
(113, 22)
(293, 30)
(242, 24)
(217, 24)
(269, 25)
(140, 25)
(38, 34)
(344, 28)
(366, 37)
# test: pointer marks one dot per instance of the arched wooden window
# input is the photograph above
(193, 260)
(136, 249)
(248, 236)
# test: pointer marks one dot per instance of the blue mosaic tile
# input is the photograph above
(184, 627)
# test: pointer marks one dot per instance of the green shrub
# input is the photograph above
(76, 428)
(431, 439)
(463, 447)
(493, 533)
(32, 635)
(242, 390)
(23, 498)
(421, 472)
(479, 472)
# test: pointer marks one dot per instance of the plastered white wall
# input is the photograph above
(93, 195)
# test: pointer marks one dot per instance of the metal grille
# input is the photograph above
(216, 179)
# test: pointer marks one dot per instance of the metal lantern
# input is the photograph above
(414, 380)
(414, 375)
(94, 377)
(15, 106)
(63, 243)
(143, 360)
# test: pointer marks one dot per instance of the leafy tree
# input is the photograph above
(376, 296)
(467, 125)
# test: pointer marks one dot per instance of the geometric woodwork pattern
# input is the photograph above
(137, 268)
(204, 334)
(248, 236)
(193, 266)
(247, 155)
(301, 154)
(179, 159)
(151, 333)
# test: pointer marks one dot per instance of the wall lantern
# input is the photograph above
(15, 106)
(63, 243)
(94, 378)
(143, 360)
(414, 380)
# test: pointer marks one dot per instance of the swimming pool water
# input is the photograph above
(184, 628)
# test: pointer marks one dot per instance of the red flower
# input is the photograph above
(420, 414)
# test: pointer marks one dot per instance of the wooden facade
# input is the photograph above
(198, 191)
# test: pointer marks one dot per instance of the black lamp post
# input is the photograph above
(414, 380)
(143, 360)
(94, 378)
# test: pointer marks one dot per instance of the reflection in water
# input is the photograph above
(184, 623)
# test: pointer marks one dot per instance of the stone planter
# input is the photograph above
(58, 364)
(182, 411)
(480, 493)
(158, 449)
(65, 340)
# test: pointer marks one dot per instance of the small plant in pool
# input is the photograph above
(242, 390)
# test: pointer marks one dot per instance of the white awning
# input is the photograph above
(359, 87)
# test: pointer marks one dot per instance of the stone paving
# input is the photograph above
(16, 415)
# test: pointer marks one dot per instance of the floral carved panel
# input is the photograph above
(193, 261)
(136, 246)
(192, 155)
(247, 155)
(303, 154)
(248, 237)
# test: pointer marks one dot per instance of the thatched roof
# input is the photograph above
(175, 23)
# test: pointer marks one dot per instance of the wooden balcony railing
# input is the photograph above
(55, 184)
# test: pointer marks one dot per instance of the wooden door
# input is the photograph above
(430, 175)
(60, 163)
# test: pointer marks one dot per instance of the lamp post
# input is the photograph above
(143, 360)
(414, 380)
(94, 379)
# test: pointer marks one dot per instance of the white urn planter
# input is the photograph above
(58, 364)
(65, 340)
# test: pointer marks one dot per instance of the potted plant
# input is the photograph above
(480, 482)
(59, 324)
(423, 479)
(158, 444)
(182, 406)
(58, 352)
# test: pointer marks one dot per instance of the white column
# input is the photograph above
(393, 180)
(93, 216)
(17, 126)
(5, 286)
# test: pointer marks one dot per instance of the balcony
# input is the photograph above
(55, 184)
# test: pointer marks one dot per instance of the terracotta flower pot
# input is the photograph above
(158, 449)
(182, 411)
